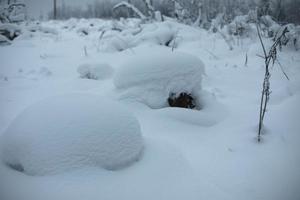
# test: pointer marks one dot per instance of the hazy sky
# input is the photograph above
(35, 7)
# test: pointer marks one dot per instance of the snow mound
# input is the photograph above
(97, 71)
(153, 78)
(162, 34)
(70, 132)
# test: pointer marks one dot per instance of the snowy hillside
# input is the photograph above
(115, 78)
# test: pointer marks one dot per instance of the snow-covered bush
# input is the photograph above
(10, 31)
(70, 132)
(47, 30)
(4, 40)
(12, 11)
(268, 25)
(116, 43)
(97, 71)
(292, 37)
(83, 31)
(241, 26)
(157, 33)
(154, 77)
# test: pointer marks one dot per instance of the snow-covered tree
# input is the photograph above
(12, 11)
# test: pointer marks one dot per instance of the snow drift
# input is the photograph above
(69, 132)
(153, 78)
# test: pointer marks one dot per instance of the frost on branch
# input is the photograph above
(131, 7)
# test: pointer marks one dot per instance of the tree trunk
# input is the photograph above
(54, 10)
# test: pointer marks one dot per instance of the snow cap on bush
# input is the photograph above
(153, 77)
(69, 132)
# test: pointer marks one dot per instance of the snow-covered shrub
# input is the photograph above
(42, 72)
(10, 31)
(83, 31)
(37, 27)
(69, 132)
(154, 77)
(47, 30)
(182, 100)
(241, 26)
(159, 33)
(4, 40)
(116, 43)
(269, 26)
(12, 11)
(97, 71)
(292, 37)
(217, 23)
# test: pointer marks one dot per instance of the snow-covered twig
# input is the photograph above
(268, 56)
(85, 51)
(226, 40)
(150, 8)
(130, 6)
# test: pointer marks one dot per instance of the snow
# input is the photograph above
(69, 132)
(210, 153)
(17, 18)
(11, 29)
(132, 7)
(4, 40)
(96, 71)
(161, 34)
(154, 76)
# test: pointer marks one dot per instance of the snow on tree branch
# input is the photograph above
(150, 8)
(130, 6)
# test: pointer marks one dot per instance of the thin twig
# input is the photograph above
(281, 67)
(260, 39)
(271, 56)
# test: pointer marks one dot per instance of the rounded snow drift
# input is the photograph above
(154, 77)
(69, 132)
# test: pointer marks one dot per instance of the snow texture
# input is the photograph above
(210, 154)
(162, 34)
(4, 40)
(153, 77)
(69, 132)
(98, 71)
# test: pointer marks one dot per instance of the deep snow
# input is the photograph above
(72, 131)
(208, 154)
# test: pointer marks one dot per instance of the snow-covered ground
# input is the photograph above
(210, 153)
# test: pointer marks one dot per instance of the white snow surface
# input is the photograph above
(152, 77)
(68, 132)
(96, 71)
(188, 154)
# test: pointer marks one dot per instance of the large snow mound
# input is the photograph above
(153, 77)
(69, 132)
